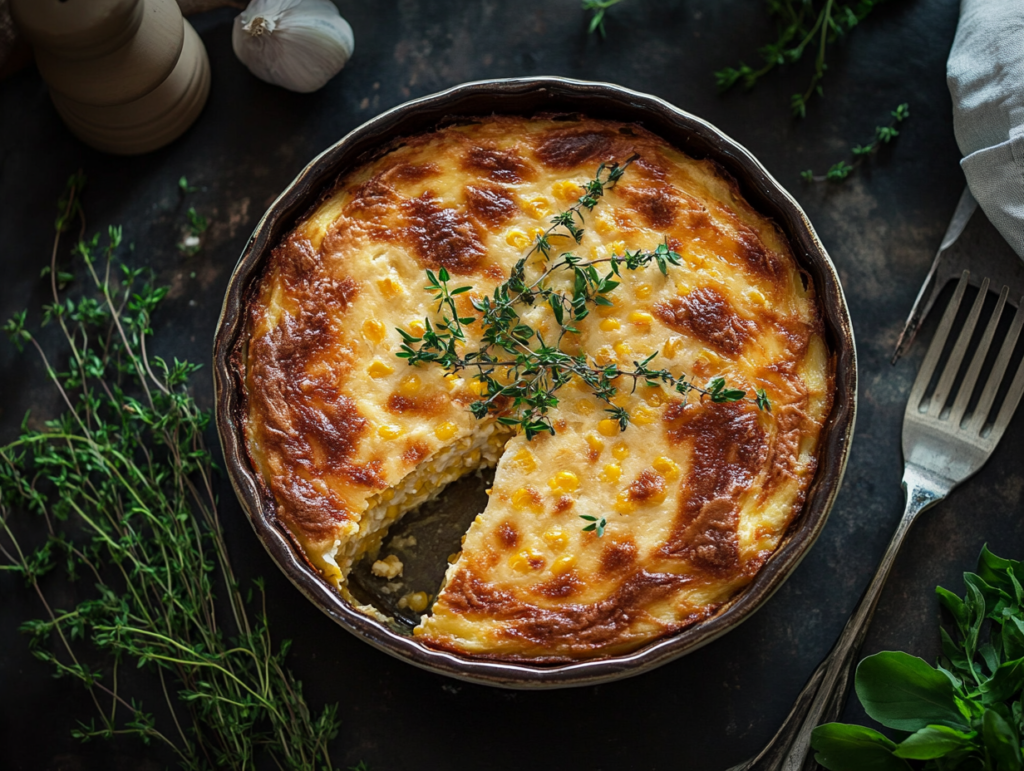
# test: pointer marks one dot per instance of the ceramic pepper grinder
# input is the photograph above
(127, 76)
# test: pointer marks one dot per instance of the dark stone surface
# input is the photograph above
(721, 703)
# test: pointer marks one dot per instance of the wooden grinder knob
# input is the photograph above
(127, 76)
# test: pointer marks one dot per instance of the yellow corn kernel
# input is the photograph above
(452, 380)
(392, 512)
(538, 206)
(527, 559)
(603, 224)
(608, 427)
(642, 291)
(755, 297)
(604, 311)
(564, 190)
(641, 318)
(564, 482)
(410, 385)
(609, 325)
(710, 358)
(374, 330)
(379, 369)
(478, 388)
(557, 538)
(594, 443)
(389, 431)
(446, 431)
(604, 356)
(624, 504)
(617, 247)
(620, 451)
(517, 239)
(388, 494)
(390, 287)
(611, 474)
(672, 346)
(416, 328)
(622, 349)
(654, 397)
(563, 564)
(417, 601)
(683, 289)
(667, 467)
(643, 416)
(584, 406)
(525, 498)
(524, 460)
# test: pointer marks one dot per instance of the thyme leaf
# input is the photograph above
(599, 8)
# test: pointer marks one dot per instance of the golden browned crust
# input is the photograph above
(697, 496)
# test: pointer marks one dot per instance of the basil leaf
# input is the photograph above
(954, 653)
(955, 606)
(1001, 742)
(843, 747)
(989, 656)
(933, 741)
(995, 599)
(1007, 680)
(975, 607)
(1013, 638)
(994, 569)
(903, 692)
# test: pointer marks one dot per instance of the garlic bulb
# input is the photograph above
(297, 44)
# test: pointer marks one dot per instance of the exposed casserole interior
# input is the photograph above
(697, 496)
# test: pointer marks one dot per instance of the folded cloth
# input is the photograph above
(985, 73)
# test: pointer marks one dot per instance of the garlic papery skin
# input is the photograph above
(296, 44)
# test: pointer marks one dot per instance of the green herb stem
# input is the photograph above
(859, 153)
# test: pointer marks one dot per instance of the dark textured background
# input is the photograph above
(714, 707)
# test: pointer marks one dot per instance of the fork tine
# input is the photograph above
(988, 396)
(971, 378)
(1009, 405)
(931, 359)
(956, 356)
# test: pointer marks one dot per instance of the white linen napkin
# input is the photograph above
(985, 73)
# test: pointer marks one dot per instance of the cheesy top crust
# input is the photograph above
(696, 495)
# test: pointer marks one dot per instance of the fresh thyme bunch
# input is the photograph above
(800, 24)
(122, 482)
(526, 374)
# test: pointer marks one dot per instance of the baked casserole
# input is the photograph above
(601, 534)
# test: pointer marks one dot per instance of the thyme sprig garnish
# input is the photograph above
(599, 8)
(121, 483)
(883, 135)
(800, 24)
(518, 371)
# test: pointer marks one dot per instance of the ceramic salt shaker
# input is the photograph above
(127, 76)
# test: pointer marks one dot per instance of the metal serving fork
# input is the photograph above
(943, 445)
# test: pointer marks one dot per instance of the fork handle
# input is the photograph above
(824, 695)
